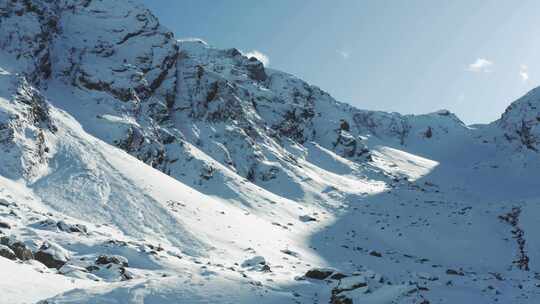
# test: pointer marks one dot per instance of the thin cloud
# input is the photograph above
(259, 55)
(481, 65)
(344, 54)
(524, 72)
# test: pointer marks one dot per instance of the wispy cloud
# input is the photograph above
(481, 65)
(524, 72)
(259, 55)
(344, 54)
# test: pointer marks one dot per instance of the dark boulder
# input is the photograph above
(52, 255)
(319, 273)
(22, 252)
(7, 253)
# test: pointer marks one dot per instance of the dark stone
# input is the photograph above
(429, 132)
(104, 260)
(48, 260)
(344, 125)
(5, 225)
(256, 70)
(92, 268)
(375, 253)
(341, 299)
(454, 272)
(318, 274)
(21, 251)
(7, 253)
(338, 276)
(307, 218)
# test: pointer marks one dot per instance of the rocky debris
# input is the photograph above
(7, 253)
(111, 268)
(319, 273)
(518, 234)
(52, 255)
(21, 251)
(63, 226)
(112, 259)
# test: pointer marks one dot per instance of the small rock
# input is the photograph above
(375, 253)
(307, 218)
(254, 261)
(92, 268)
(113, 259)
(5, 225)
(426, 276)
(63, 226)
(454, 272)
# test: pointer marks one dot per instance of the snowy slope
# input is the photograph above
(137, 168)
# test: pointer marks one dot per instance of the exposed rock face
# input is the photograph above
(521, 122)
(25, 130)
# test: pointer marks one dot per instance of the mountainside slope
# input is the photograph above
(156, 170)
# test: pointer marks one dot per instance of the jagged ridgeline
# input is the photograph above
(186, 173)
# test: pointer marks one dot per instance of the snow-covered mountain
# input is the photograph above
(138, 168)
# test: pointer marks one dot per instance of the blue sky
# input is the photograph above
(414, 56)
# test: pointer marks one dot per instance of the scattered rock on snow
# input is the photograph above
(307, 218)
(375, 253)
(113, 259)
(19, 248)
(454, 272)
(4, 202)
(254, 261)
